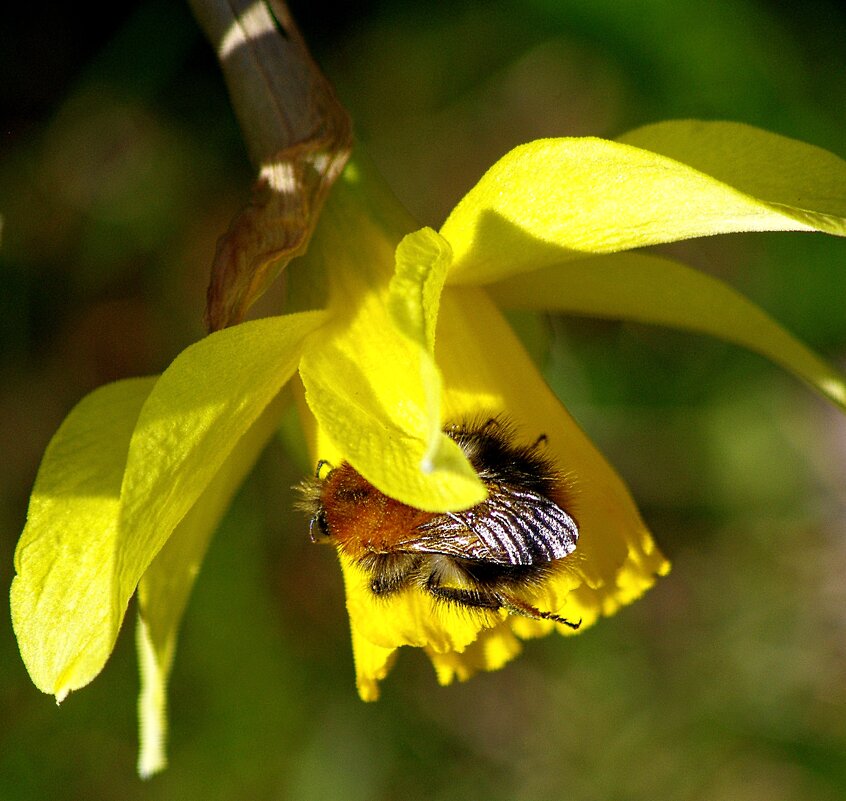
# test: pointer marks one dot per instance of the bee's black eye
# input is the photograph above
(322, 524)
(318, 528)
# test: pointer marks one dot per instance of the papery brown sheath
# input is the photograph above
(298, 135)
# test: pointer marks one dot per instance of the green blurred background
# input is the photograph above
(120, 164)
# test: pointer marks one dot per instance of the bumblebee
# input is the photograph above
(486, 557)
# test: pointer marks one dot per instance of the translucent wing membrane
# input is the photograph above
(513, 526)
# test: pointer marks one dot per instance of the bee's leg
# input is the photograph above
(390, 572)
(518, 607)
(490, 599)
(481, 599)
(478, 599)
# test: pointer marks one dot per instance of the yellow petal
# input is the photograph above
(154, 667)
(372, 664)
(66, 559)
(653, 289)
(414, 294)
(806, 180)
(83, 553)
(164, 588)
(198, 411)
(373, 386)
(491, 650)
(558, 199)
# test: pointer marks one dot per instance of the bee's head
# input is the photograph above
(334, 499)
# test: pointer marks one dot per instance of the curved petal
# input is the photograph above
(783, 171)
(166, 585)
(84, 552)
(198, 411)
(414, 296)
(154, 666)
(558, 199)
(654, 289)
(65, 559)
(372, 384)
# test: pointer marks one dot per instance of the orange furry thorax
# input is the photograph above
(361, 518)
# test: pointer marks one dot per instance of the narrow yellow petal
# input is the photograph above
(414, 294)
(166, 585)
(116, 481)
(558, 199)
(66, 558)
(654, 289)
(154, 666)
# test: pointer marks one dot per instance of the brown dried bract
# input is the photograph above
(301, 137)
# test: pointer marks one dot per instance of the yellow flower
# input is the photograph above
(409, 337)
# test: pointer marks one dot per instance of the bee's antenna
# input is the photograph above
(320, 466)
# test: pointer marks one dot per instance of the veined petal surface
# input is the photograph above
(558, 199)
(121, 473)
(203, 404)
(67, 554)
(762, 164)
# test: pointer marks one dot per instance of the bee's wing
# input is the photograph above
(513, 526)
